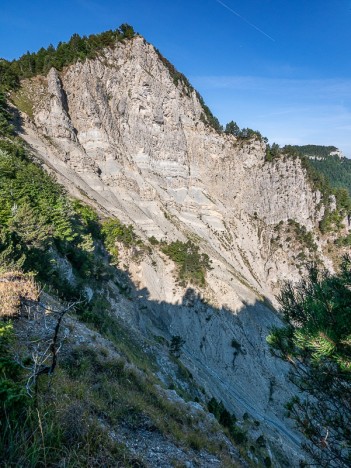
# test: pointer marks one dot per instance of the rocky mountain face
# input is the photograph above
(121, 133)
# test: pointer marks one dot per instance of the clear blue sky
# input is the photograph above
(279, 66)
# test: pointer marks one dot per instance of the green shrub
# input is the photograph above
(114, 231)
(176, 345)
(191, 264)
(153, 240)
(272, 152)
(239, 436)
(221, 413)
(236, 345)
(39, 224)
(343, 241)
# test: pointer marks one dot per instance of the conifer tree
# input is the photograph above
(317, 343)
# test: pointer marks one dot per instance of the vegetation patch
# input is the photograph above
(232, 128)
(113, 231)
(66, 53)
(23, 102)
(61, 425)
(192, 265)
(302, 235)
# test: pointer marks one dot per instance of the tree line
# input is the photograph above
(65, 53)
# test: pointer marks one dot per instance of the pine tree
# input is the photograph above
(317, 342)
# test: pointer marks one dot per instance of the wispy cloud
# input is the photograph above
(244, 19)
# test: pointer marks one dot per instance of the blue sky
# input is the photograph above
(279, 66)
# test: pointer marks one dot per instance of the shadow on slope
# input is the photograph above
(224, 350)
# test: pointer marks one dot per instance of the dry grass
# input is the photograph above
(15, 289)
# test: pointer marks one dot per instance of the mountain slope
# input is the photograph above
(121, 133)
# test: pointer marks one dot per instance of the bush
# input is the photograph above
(114, 231)
(221, 413)
(191, 264)
(153, 240)
(239, 436)
(176, 345)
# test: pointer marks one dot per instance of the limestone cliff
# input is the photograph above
(119, 131)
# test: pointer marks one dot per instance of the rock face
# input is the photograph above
(119, 130)
(119, 127)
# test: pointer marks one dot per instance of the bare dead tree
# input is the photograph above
(44, 356)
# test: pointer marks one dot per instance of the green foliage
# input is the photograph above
(319, 307)
(175, 74)
(192, 265)
(153, 240)
(36, 216)
(232, 128)
(343, 241)
(272, 152)
(239, 436)
(247, 133)
(176, 345)
(126, 31)
(207, 117)
(336, 170)
(66, 53)
(88, 218)
(60, 426)
(227, 420)
(221, 413)
(6, 129)
(333, 220)
(317, 179)
(113, 231)
(317, 340)
(8, 78)
(303, 236)
(236, 345)
(96, 313)
(13, 399)
(39, 223)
